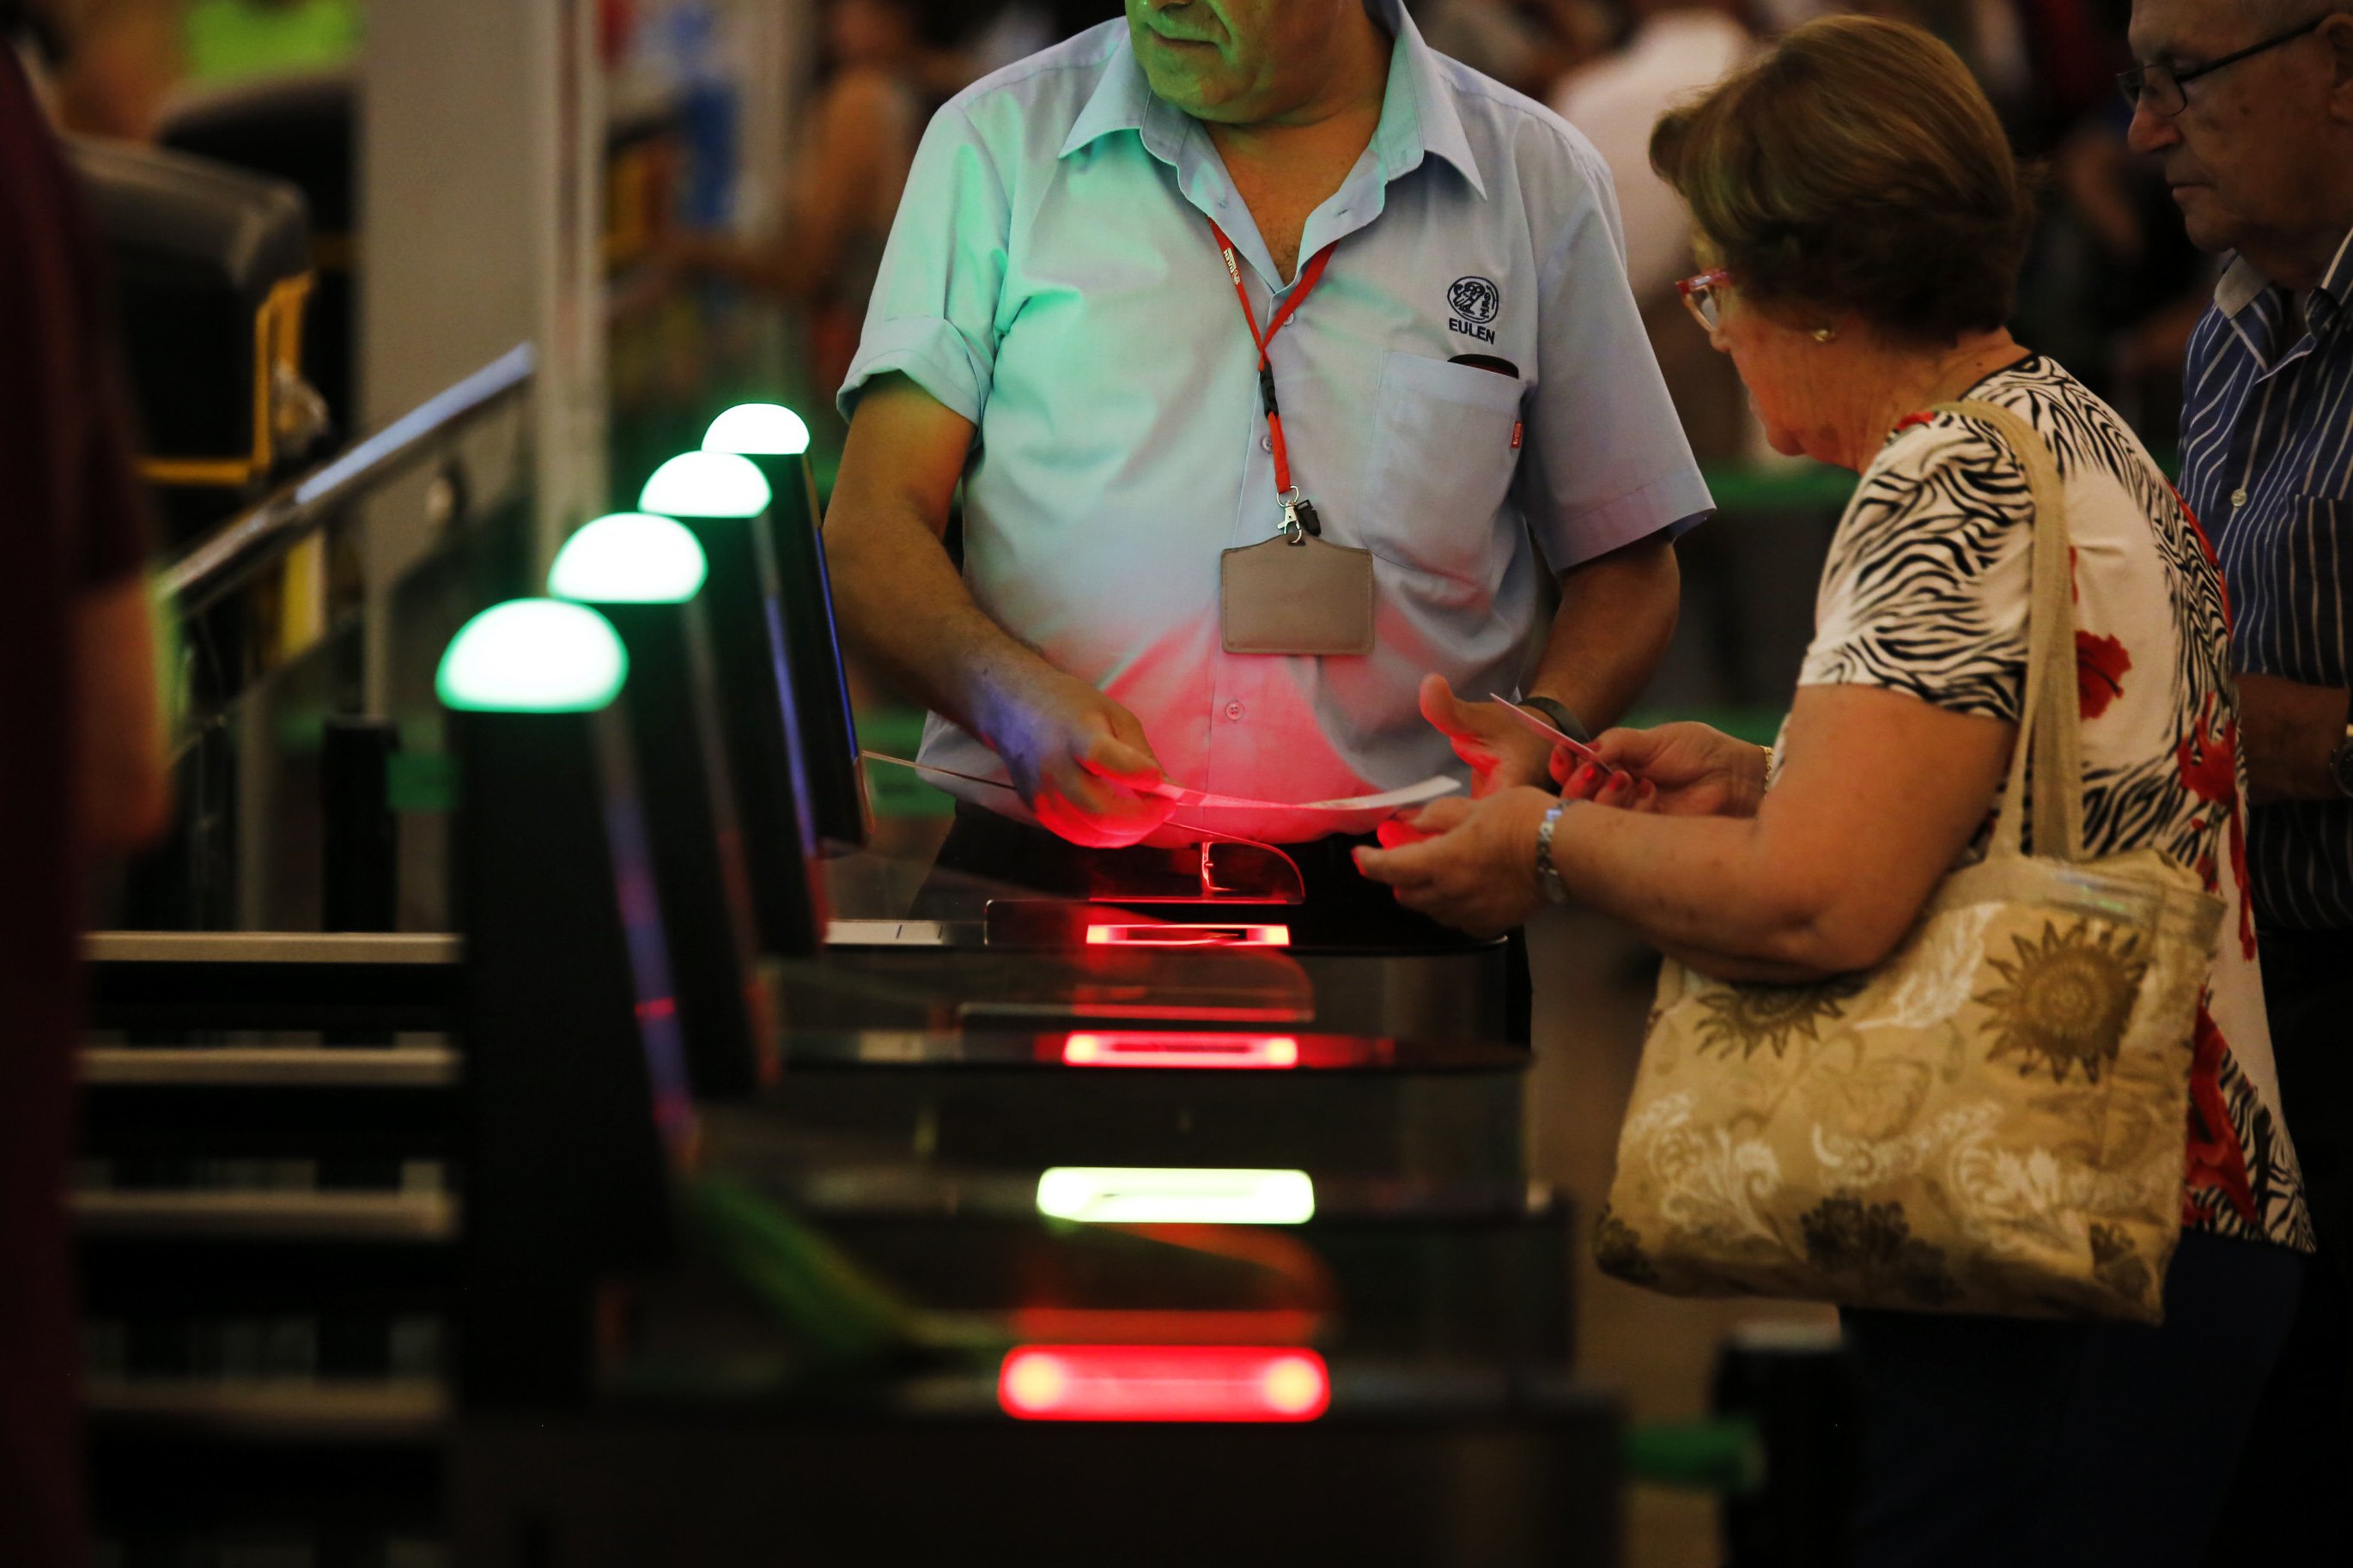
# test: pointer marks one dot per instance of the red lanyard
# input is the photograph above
(1307, 281)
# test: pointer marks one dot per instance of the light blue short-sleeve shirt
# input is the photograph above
(1052, 277)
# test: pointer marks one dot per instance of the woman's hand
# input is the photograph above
(1470, 864)
(1678, 770)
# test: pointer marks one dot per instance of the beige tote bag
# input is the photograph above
(1992, 1120)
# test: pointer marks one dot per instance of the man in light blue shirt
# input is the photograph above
(1054, 328)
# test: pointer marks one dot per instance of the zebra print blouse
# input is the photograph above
(1926, 594)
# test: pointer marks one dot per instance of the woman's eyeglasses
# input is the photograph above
(1704, 296)
(2160, 86)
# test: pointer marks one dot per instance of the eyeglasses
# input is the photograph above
(1704, 296)
(2161, 85)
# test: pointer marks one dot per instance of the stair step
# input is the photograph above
(429, 1218)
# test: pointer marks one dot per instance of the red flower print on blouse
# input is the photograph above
(2216, 1162)
(2208, 759)
(2101, 663)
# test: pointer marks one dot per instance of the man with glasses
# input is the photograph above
(2248, 106)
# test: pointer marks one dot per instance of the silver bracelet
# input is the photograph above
(1549, 880)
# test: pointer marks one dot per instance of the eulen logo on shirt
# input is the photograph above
(1476, 301)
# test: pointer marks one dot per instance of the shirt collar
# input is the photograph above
(2257, 310)
(2243, 285)
(1419, 116)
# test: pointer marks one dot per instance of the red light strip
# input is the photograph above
(1171, 1326)
(1178, 935)
(1180, 1050)
(1163, 1382)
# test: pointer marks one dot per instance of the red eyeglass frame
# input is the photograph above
(1706, 282)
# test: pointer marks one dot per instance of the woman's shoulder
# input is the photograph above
(2084, 435)
(1947, 463)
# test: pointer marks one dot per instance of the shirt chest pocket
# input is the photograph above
(2312, 631)
(1440, 463)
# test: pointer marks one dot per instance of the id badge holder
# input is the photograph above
(1297, 594)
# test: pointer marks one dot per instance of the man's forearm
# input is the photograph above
(903, 607)
(2286, 732)
(1617, 616)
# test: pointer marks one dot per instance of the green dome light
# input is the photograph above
(630, 558)
(533, 655)
(706, 484)
(760, 430)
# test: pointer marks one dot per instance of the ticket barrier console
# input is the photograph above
(776, 613)
(401, 1255)
(615, 1258)
(993, 1053)
(1384, 1120)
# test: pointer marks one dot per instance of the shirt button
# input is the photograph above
(1266, 442)
(2238, 498)
(1234, 711)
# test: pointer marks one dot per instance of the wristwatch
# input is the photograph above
(1567, 722)
(1549, 880)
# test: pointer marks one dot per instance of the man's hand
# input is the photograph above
(1077, 757)
(1502, 752)
(2287, 731)
(1677, 770)
(1472, 865)
(1082, 763)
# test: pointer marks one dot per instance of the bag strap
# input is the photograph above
(2050, 720)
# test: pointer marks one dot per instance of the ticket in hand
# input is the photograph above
(1537, 724)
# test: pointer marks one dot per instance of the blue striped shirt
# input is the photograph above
(2267, 464)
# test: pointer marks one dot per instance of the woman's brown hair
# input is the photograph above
(1856, 166)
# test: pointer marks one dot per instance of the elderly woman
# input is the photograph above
(1863, 220)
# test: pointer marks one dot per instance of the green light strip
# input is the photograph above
(1122, 1194)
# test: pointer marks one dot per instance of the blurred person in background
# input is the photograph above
(2247, 108)
(82, 772)
(1676, 47)
(1528, 44)
(1775, 16)
(1865, 218)
(2115, 284)
(1022, 28)
(890, 64)
(126, 59)
(122, 58)
(1742, 581)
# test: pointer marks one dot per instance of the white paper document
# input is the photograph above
(1423, 794)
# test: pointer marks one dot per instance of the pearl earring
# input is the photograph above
(1825, 334)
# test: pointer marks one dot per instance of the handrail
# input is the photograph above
(222, 560)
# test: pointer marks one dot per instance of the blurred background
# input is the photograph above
(677, 205)
(753, 152)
